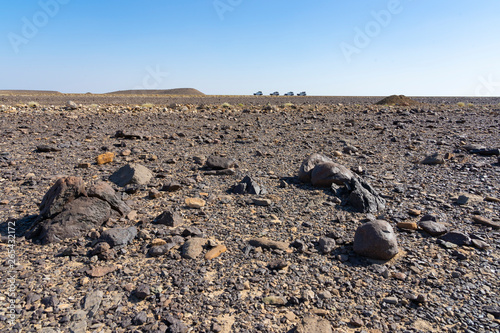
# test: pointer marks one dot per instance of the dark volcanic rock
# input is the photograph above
(77, 218)
(118, 236)
(62, 192)
(326, 245)
(376, 239)
(433, 228)
(131, 174)
(216, 162)
(104, 191)
(248, 186)
(129, 136)
(458, 238)
(308, 165)
(363, 197)
(169, 218)
(326, 174)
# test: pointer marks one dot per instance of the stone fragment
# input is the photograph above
(157, 251)
(171, 187)
(77, 218)
(64, 190)
(493, 309)
(247, 186)
(262, 202)
(408, 225)
(314, 324)
(47, 149)
(269, 244)
(433, 228)
(142, 291)
(326, 174)
(92, 302)
(131, 174)
(169, 218)
(274, 300)
(485, 221)
(433, 159)
(129, 136)
(100, 271)
(140, 319)
(196, 203)
(119, 236)
(154, 194)
(376, 240)
(457, 238)
(326, 245)
(485, 151)
(415, 212)
(105, 158)
(216, 162)
(391, 300)
(104, 191)
(215, 252)
(70, 105)
(308, 165)
(278, 264)
(193, 247)
(364, 198)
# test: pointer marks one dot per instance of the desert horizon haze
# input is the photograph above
(236, 47)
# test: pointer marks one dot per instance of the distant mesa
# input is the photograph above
(400, 100)
(178, 91)
(30, 92)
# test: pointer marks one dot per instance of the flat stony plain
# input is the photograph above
(430, 286)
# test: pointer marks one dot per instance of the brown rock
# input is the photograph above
(270, 244)
(484, 221)
(215, 252)
(408, 225)
(308, 165)
(195, 203)
(100, 271)
(105, 158)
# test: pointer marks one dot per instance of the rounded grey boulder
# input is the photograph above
(326, 174)
(376, 240)
(308, 165)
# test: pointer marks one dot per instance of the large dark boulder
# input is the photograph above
(326, 174)
(64, 190)
(76, 219)
(376, 240)
(308, 165)
(364, 198)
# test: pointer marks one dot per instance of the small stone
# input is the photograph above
(193, 247)
(215, 252)
(356, 321)
(462, 200)
(433, 159)
(131, 174)
(140, 319)
(433, 228)
(408, 225)
(158, 242)
(171, 187)
(479, 244)
(215, 162)
(101, 271)
(484, 221)
(277, 265)
(326, 245)
(84, 166)
(169, 218)
(457, 238)
(119, 236)
(274, 300)
(195, 203)
(492, 199)
(414, 212)
(391, 300)
(270, 244)
(142, 291)
(262, 202)
(70, 105)
(105, 158)
(154, 194)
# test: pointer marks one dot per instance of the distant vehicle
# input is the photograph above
(258, 93)
(302, 93)
(275, 93)
(290, 93)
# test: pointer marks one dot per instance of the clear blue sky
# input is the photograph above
(325, 47)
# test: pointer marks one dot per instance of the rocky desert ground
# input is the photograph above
(199, 214)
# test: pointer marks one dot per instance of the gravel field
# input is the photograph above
(281, 260)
